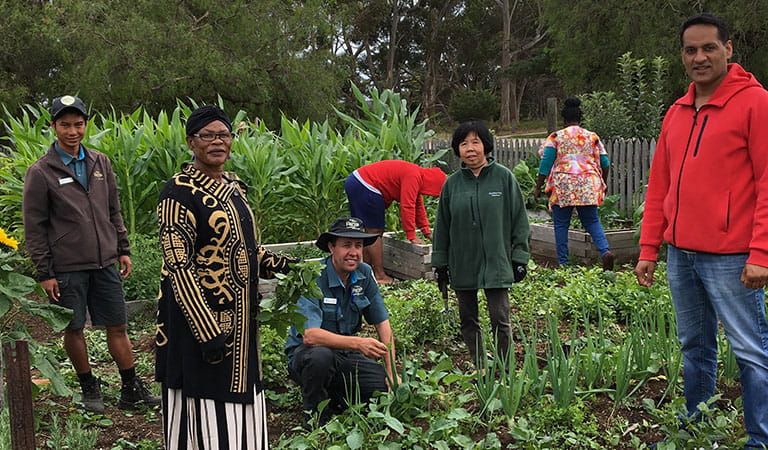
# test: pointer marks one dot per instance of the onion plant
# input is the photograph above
(563, 368)
(727, 359)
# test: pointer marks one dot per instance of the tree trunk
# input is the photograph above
(390, 81)
(434, 50)
(506, 118)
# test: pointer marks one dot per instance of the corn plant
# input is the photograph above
(317, 190)
(28, 139)
(388, 125)
(259, 160)
(122, 141)
(165, 137)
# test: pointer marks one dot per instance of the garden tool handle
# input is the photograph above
(443, 278)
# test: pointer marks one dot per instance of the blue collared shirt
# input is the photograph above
(342, 308)
(77, 165)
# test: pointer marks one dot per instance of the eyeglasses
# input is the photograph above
(210, 137)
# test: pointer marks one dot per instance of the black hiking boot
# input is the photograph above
(92, 399)
(135, 393)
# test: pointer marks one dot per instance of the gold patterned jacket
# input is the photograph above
(209, 289)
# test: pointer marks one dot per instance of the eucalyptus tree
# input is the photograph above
(263, 56)
(587, 37)
(528, 35)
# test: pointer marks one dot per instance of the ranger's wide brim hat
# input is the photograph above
(348, 227)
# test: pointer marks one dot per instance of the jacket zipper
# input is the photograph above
(701, 132)
(479, 227)
(472, 207)
(680, 176)
(93, 216)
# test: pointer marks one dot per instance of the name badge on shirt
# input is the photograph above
(66, 180)
(329, 301)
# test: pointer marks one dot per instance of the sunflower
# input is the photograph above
(7, 240)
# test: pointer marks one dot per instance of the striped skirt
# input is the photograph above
(202, 424)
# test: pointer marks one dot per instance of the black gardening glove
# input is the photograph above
(519, 271)
(443, 278)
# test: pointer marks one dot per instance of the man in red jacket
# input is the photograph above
(373, 187)
(708, 199)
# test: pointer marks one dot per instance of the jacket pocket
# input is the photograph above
(58, 239)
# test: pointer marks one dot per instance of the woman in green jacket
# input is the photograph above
(480, 236)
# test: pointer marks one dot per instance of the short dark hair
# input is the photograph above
(476, 127)
(706, 19)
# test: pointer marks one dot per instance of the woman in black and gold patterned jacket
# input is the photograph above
(207, 354)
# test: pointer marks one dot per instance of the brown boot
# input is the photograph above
(608, 260)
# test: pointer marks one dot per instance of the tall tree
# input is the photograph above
(588, 37)
(263, 56)
(528, 35)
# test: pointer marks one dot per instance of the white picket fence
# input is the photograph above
(630, 163)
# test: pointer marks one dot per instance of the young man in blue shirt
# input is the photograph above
(328, 360)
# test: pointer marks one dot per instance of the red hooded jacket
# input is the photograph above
(405, 182)
(708, 186)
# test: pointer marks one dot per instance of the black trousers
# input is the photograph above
(324, 373)
(497, 301)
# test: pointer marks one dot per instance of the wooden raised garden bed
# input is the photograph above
(580, 246)
(406, 261)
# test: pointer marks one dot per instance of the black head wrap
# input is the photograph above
(204, 115)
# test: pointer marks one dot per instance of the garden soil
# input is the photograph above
(146, 425)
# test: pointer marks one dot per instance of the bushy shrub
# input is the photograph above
(417, 316)
(634, 109)
(606, 115)
(274, 364)
(147, 259)
(468, 104)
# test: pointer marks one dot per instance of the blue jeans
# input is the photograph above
(705, 287)
(589, 220)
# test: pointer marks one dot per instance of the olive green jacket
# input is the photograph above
(481, 228)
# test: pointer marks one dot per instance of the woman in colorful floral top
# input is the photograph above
(574, 164)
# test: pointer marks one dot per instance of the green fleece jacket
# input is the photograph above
(481, 228)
